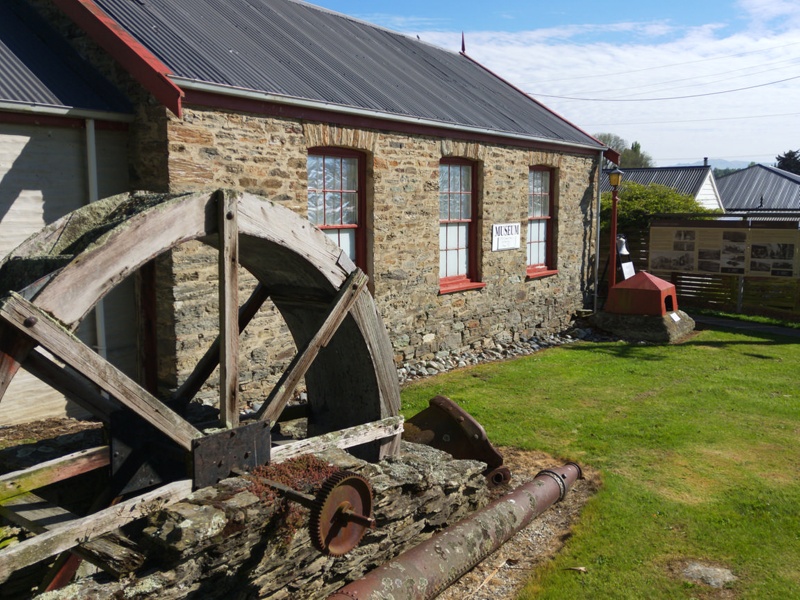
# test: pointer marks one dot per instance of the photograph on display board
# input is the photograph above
(734, 248)
(772, 259)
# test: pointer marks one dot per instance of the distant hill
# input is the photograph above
(718, 163)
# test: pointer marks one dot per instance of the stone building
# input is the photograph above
(470, 205)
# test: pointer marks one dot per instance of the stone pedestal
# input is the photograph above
(668, 328)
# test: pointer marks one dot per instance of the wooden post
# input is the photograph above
(228, 310)
(282, 392)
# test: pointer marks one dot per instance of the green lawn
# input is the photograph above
(698, 445)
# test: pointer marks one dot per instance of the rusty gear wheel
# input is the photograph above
(341, 513)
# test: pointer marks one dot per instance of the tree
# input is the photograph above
(638, 203)
(789, 161)
(634, 158)
(630, 156)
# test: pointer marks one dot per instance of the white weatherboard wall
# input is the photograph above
(708, 196)
(43, 176)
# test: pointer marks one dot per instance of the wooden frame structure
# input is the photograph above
(344, 351)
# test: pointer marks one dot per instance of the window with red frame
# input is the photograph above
(457, 226)
(336, 202)
(540, 222)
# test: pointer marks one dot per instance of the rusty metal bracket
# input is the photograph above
(215, 456)
(446, 426)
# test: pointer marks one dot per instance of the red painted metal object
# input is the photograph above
(642, 294)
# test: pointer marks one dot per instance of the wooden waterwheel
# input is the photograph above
(52, 282)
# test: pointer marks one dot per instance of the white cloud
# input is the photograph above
(656, 60)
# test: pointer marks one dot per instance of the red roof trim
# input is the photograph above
(273, 109)
(142, 64)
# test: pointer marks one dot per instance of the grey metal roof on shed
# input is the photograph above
(760, 187)
(686, 180)
(38, 68)
(296, 50)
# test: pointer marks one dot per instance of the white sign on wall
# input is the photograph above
(505, 236)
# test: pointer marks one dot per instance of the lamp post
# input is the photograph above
(614, 178)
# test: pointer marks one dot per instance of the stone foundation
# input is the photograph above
(224, 542)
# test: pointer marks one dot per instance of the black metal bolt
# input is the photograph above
(30, 321)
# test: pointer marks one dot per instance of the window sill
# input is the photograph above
(449, 286)
(539, 273)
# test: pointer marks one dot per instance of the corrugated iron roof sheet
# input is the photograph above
(297, 50)
(760, 187)
(686, 180)
(37, 67)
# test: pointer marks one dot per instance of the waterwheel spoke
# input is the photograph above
(228, 308)
(48, 333)
(340, 307)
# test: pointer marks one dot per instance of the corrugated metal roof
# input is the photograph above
(37, 67)
(297, 50)
(760, 187)
(686, 180)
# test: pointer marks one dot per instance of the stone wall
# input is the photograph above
(267, 156)
(224, 542)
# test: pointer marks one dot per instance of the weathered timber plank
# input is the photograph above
(85, 529)
(72, 386)
(228, 308)
(58, 469)
(122, 250)
(37, 324)
(13, 350)
(282, 392)
(206, 365)
(345, 438)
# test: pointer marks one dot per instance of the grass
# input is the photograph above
(698, 445)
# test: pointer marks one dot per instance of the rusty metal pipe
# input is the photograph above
(426, 570)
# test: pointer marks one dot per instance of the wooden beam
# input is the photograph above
(80, 531)
(37, 324)
(228, 308)
(22, 481)
(13, 350)
(206, 365)
(345, 438)
(69, 383)
(282, 392)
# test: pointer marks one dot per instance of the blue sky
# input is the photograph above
(716, 78)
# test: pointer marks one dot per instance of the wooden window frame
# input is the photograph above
(471, 279)
(535, 271)
(361, 197)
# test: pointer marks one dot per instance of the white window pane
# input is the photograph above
(444, 207)
(442, 237)
(350, 174)
(466, 207)
(444, 175)
(443, 264)
(315, 172)
(315, 210)
(333, 207)
(350, 208)
(463, 232)
(347, 242)
(462, 262)
(455, 206)
(546, 183)
(333, 174)
(452, 236)
(466, 178)
(455, 178)
(452, 263)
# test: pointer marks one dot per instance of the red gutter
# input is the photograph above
(610, 154)
(142, 64)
